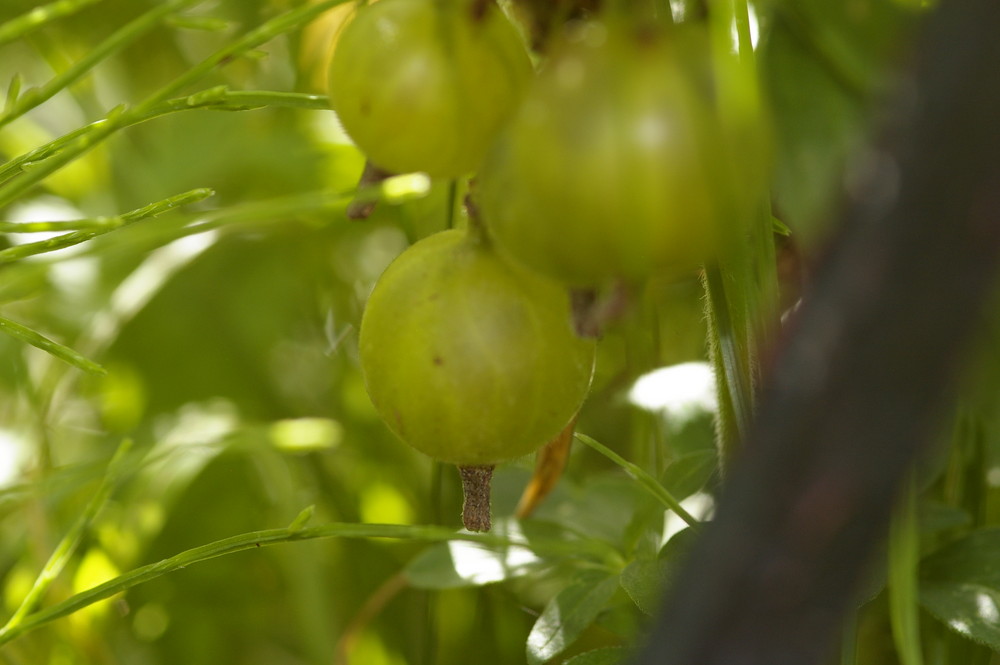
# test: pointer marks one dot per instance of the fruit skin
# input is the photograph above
(468, 358)
(616, 166)
(424, 85)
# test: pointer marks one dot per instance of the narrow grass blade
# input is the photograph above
(213, 99)
(117, 41)
(21, 25)
(253, 540)
(67, 546)
(645, 480)
(95, 133)
(904, 561)
(38, 340)
(105, 226)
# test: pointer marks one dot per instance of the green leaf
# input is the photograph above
(821, 65)
(690, 472)
(972, 559)
(606, 656)
(569, 614)
(936, 516)
(644, 580)
(972, 610)
(960, 585)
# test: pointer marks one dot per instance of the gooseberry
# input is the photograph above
(424, 85)
(616, 166)
(468, 358)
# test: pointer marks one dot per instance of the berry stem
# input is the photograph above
(361, 208)
(476, 489)
(593, 311)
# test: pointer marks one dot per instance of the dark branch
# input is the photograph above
(856, 393)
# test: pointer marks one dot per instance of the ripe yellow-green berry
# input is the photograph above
(470, 359)
(616, 165)
(424, 85)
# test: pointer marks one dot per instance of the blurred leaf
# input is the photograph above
(970, 610)
(569, 614)
(646, 481)
(822, 65)
(644, 580)
(938, 516)
(960, 585)
(690, 472)
(606, 656)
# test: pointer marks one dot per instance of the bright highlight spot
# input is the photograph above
(42, 209)
(699, 505)
(201, 423)
(678, 390)
(12, 448)
(77, 277)
(95, 568)
(306, 434)
(383, 504)
(402, 188)
(987, 608)
(481, 565)
(150, 622)
(754, 30)
(993, 477)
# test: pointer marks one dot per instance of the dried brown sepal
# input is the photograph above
(476, 489)
(542, 18)
(548, 470)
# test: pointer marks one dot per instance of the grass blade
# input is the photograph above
(645, 480)
(105, 225)
(85, 139)
(67, 546)
(904, 561)
(117, 41)
(38, 340)
(21, 25)
(214, 99)
(255, 539)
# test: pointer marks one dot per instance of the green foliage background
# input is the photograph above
(228, 331)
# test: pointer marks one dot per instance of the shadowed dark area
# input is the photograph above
(867, 367)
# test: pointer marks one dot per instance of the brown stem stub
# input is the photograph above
(476, 488)
(594, 310)
(361, 207)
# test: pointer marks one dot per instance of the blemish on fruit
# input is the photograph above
(438, 360)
